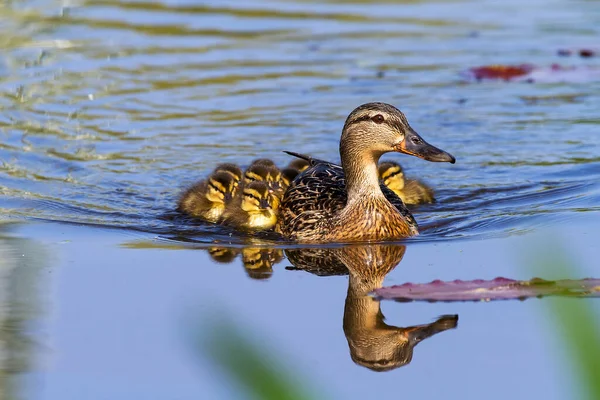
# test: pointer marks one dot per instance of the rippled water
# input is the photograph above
(110, 108)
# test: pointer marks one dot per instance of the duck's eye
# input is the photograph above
(416, 140)
(378, 119)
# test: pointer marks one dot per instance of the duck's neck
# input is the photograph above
(360, 169)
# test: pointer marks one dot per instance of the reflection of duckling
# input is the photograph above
(262, 173)
(411, 191)
(258, 262)
(254, 209)
(287, 176)
(207, 199)
(299, 164)
(232, 169)
(223, 254)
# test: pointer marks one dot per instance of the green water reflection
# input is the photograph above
(21, 305)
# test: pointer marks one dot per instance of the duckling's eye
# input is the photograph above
(378, 119)
(215, 188)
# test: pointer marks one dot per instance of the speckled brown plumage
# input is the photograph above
(318, 195)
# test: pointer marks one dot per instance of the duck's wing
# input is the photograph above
(312, 199)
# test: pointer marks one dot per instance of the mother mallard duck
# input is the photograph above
(329, 203)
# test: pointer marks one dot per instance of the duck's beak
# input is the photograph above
(414, 145)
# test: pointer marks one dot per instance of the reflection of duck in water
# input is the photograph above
(331, 203)
(373, 343)
(411, 191)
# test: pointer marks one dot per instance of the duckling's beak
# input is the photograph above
(414, 145)
(228, 196)
(264, 204)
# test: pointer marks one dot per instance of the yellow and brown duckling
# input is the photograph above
(411, 191)
(332, 203)
(208, 199)
(255, 208)
(263, 173)
(232, 169)
(287, 176)
(263, 161)
(299, 164)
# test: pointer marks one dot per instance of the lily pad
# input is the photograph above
(488, 290)
(533, 74)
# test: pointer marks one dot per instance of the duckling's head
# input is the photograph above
(263, 161)
(288, 175)
(221, 187)
(392, 175)
(231, 169)
(262, 173)
(299, 164)
(373, 129)
(257, 198)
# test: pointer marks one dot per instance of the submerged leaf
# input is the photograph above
(487, 290)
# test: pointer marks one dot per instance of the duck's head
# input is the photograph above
(262, 173)
(257, 198)
(392, 175)
(221, 187)
(231, 169)
(378, 128)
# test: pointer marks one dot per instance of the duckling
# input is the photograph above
(411, 191)
(262, 173)
(332, 203)
(287, 176)
(255, 208)
(232, 169)
(299, 164)
(207, 199)
(263, 161)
